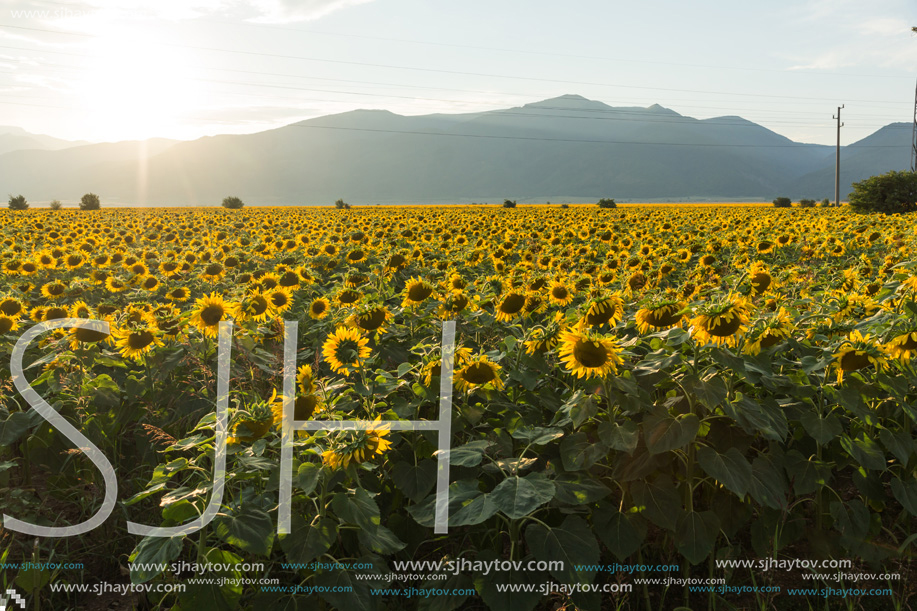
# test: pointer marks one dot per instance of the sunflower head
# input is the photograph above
(478, 372)
(721, 323)
(510, 305)
(357, 446)
(659, 315)
(769, 332)
(904, 346)
(211, 310)
(319, 308)
(858, 351)
(606, 310)
(587, 354)
(416, 291)
(345, 349)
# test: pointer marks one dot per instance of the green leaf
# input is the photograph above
(306, 542)
(478, 510)
(906, 493)
(730, 469)
(519, 496)
(758, 419)
(307, 476)
(851, 518)
(493, 586)
(180, 512)
(444, 601)
(659, 500)
(767, 484)
(16, 425)
(380, 539)
(622, 436)
(250, 530)
(807, 475)
(668, 433)
(470, 454)
(822, 430)
(617, 531)
(415, 481)
(403, 368)
(159, 551)
(356, 507)
(865, 451)
(579, 488)
(424, 513)
(572, 542)
(711, 392)
(578, 453)
(899, 443)
(537, 435)
(696, 535)
(342, 591)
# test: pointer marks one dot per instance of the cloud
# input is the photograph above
(262, 11)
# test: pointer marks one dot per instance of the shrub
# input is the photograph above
(18, 203)
(565, 206)
(825, 203)
(807, 203)
(891, 193)
(232, 202)
(340, 205)
(90, 201)
(55, 204)
(783, 202)
(607, 203)
(509, 203)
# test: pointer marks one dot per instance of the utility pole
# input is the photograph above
(837, 159)
(914, 135)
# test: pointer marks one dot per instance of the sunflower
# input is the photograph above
(370, 318)
(136, 340)
(560, 293)
(281, 299)
(255, 421)
(178, 294)
(858, 352)
(415, 292)
(545, 338)
(853, 306)
(660, 315)
(114, 285)
(348, 297)
(608, 310)
(210, 311)
(80, 309)
(358, 446)
(345, 348)
(454, 303)
(510, 306)
(79, 336)
(761, 280)
(11, 307)
(7, 324)
(721, 323)
(588, 354)
(54, 289)
(256, 306)
(478, 372)
(305, 380)
(904, 346)
(771, 333)
(319, 307)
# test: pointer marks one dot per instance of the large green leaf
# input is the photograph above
(579, 488)
(445, 602)
(478, 510)
(865, 451)
(851, 518)
(519, 496)
(767, 484)
(356, 507)
(822, 430)
(380, 539)
(308, 476)
(696, 535)
(493, 586)
(622, 436)
(306, 542)
(618, 531)
(899, 443)
(16, 425)
(415, 481)
(577, 452)
(730, 469)
(537, 435)
(668, 433)
(572, 542)
(906, 492)
(342, 591)
(424, 513)
(470, 454)
(806, 474)
(250, 530)
(154, 551)
(659, 500)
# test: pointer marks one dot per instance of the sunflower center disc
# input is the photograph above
(479, 373)
(590, 354)
(851, 361)
(212, 314)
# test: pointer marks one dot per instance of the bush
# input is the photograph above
(340, 205)
(232, 202)
(565, 206)
(807, 203)
(825, 203)
(55, 204)
(891, 193)
(90, 201)
(782, 202)
(18, 203)
(607, 203)
(509, 203)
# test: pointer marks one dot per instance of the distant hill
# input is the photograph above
(567, 147)
(17, 139)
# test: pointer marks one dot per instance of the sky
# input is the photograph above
(107, 70)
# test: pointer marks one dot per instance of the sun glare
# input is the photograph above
(137, 90)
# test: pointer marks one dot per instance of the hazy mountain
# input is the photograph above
(17, 139)
(565, 147)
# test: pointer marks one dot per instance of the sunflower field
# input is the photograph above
(687, 387)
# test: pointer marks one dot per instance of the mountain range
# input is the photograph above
(567, 148)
